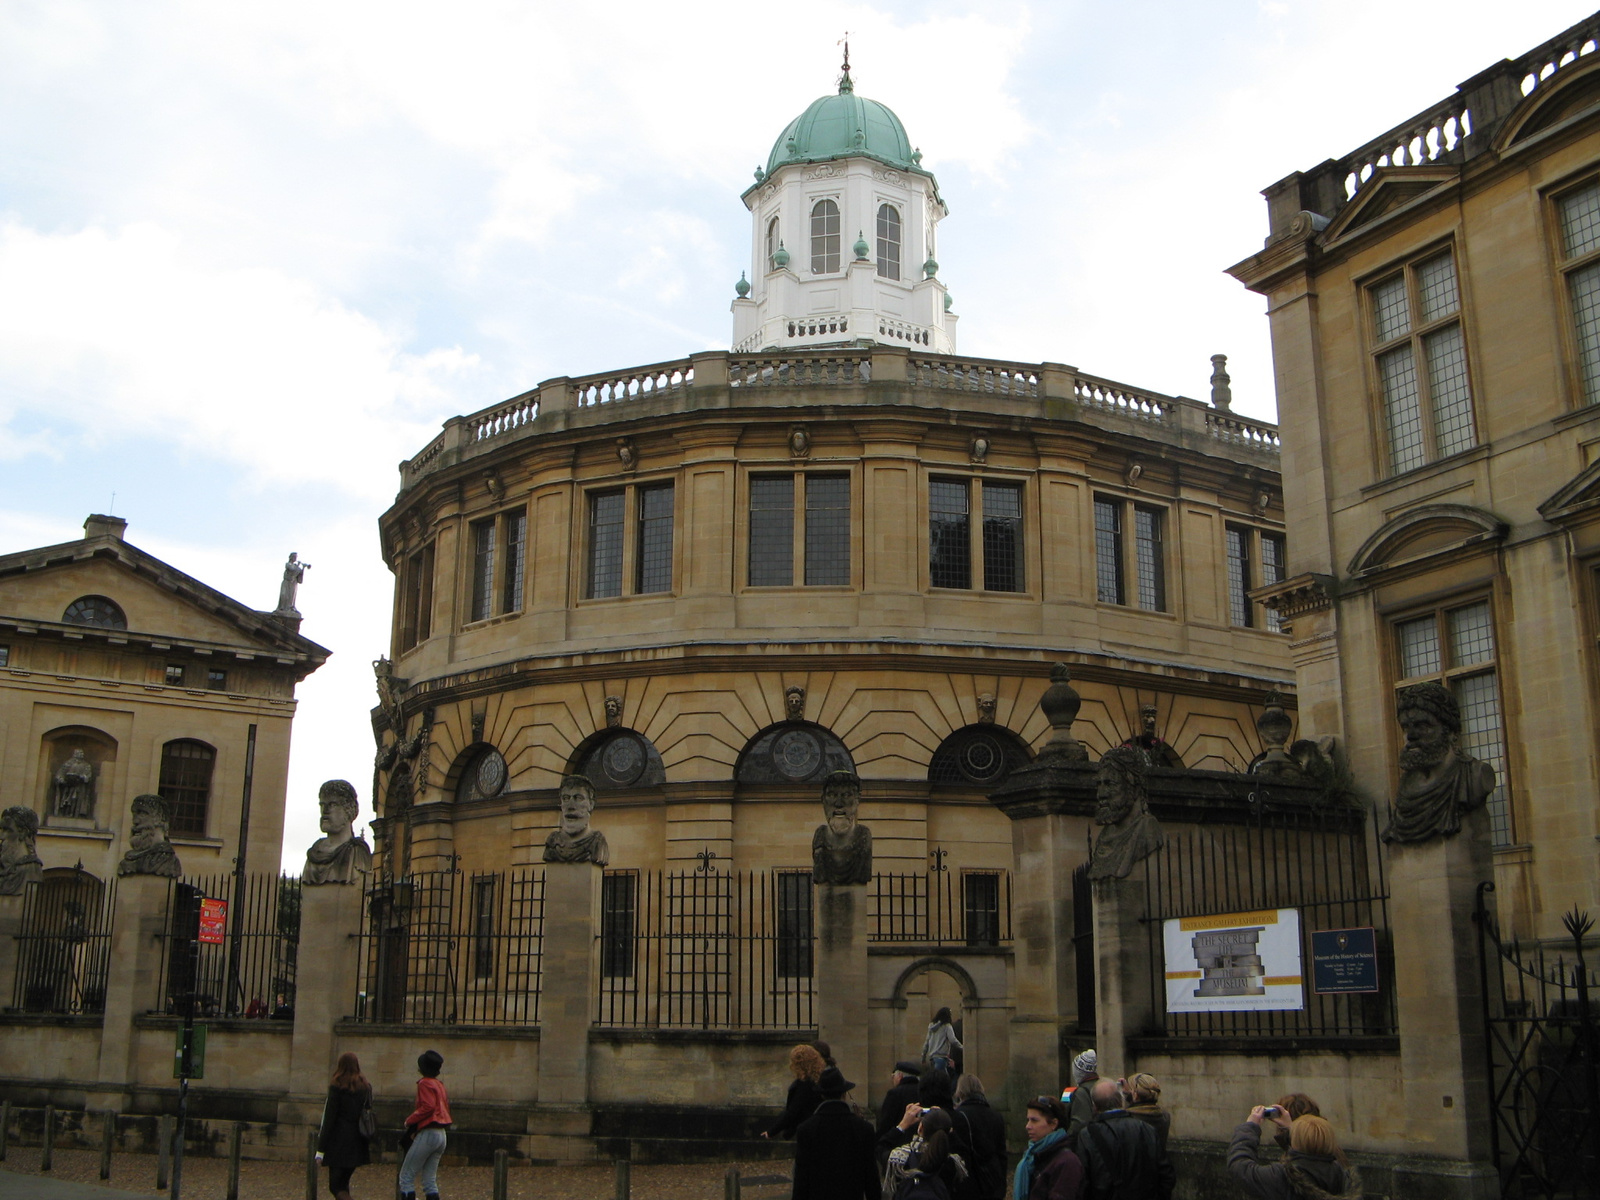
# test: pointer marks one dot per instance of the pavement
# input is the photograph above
(40, 1187)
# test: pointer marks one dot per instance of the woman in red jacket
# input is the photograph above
(426, 1128)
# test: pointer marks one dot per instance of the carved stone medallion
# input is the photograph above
(623, 760)
(796, 754)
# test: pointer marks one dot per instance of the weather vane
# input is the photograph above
(844, 80)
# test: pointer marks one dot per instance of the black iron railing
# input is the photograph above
(454, 948)
(64, 949)
(251, 973)
(706, 950)
(943, 906)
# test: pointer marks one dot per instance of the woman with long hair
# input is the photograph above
(939, 1047)
(1315, 1168)
(341, 1146)
(921, 1144)
(806, 1065)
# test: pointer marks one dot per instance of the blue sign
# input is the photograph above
(1344, 961)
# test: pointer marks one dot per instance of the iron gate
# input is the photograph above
(1543, 1053)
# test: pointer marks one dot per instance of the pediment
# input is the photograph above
(1580, 495)
(1430, 532)
(1573, 90)
(1389, 188)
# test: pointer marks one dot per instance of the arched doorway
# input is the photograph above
(925, 986)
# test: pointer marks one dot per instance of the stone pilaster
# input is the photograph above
(841, 974)
(567, 999)
(133, 978)
(325, 983)
(1123, 970)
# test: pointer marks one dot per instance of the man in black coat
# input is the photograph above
(833, 1150)
(979, 1134)
(901, 1092)
(1122, 1160)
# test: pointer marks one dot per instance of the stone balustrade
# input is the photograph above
(848, 370)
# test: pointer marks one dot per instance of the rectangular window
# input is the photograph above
(1149, 560)
(1463, 659)
(1580, 253)
(482, 570)
(1240, 610)
(981, 894)
(516, 537)
(605, 543)
(175, 674)
(772, 531)
(827, 531)
(217, 680)
(416, 606)
(5, 656)
(619, 902)
(1274, 552)
(794, 924)
(483, 928)
(1108, 552)
(949, 534)
(1002, 537)
(1421, 362)
(654, 571)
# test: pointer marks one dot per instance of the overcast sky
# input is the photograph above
(251, 255)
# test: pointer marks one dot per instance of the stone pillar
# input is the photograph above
(1124, 970)
(841, 974)
(567, 974)
(10, 948)
(133, 979)
(325, 982)
(1432, 893)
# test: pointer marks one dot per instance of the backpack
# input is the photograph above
(920, 1186)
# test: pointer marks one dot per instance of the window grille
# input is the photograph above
(619, 902)
(655, 539)
(794, 948)
(772, 531)
(1149, 560)
(605, 544)
(1002, 537)
(981, 892)
(99, 611)
(949, 534)
(1580, 246)
(482, 570)
(186, 785)
(1274, 554)
(825, 238)
(888, 242)
(483, 928)
(827, 530)
(1108, 552)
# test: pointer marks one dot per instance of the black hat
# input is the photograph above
(429, 1062)
(833, 1083)
(906, 1067)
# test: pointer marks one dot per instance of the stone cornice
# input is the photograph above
(1295, 597)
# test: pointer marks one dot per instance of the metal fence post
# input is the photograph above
(624, 1179)
(47, 1154)
(730, 1184)
(500, 1163)
(235, 1142)
(163, 1152)
(311, 1164)
(108, 1137)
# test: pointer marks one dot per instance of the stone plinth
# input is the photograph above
(327, 965)
(841, 974)
(1122, 971)
(133, 979)
(567, 973)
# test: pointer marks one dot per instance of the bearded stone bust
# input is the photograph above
(150, 851)
(19, 858)
(1439, 782)
(841, 849)
(1129, 832)
(340, 856)
(573, 840)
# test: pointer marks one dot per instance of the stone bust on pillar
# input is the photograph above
(340, 856)
(1439, 782)
(841, 849)
(572, 840)
(1129, 831)
(150, 850)
(19, 858)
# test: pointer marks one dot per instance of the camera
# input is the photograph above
(1271, 1110)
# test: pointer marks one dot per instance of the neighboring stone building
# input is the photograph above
(124, 676)
(1435, 308)
(709, 583)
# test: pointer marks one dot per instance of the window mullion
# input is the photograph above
(797, 539)
(975, 533)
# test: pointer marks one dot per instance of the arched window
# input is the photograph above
(888, 242)
(772, 244)
(792, 752)
(618, 758)
(99, 611)
(824, 238)
(978, 756)
(186, 784)
(481, 774)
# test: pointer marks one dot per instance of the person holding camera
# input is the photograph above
(1315, 1168)
(920, 1142)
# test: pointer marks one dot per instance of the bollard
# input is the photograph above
(311, 1163)
(730, 1184)
(501, 1159)
(235, 1142)
(163, 1152)
(47, 1154)
(108, 1136)
(624, 1179)
(5, 1127)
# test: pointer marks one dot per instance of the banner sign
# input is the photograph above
(213, 920)
(1344, 961)
(1233, 962)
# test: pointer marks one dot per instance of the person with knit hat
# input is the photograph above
(1080, 1108)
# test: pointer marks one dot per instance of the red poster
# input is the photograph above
(213, 920)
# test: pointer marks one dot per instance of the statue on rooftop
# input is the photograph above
(572, 840)
(841, 849)
(1439, 782)
(340, 856)
(72, 788)
(19, 856)
(1129, 831)
(150, 849)
(294, 574)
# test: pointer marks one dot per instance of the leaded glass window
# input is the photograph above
(1108, 552)
(99, 611)
(1149, 561)
(827, 530)
(772, 531)
(1002, 537)
(605, 543)
(1580, 252)
(516, 527)
(655, 539)
(1239, 607)
(949, 534)
(482, 570)
(185, 784)
(1274, 552)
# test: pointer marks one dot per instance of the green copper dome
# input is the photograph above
(844, 125)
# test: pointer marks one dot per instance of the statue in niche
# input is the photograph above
(1148, 743)
(341, 856)
(294, 574)
(841, 849)
(613, 711)
(572, 840)
(1439, 782)
(1129, 831)
(72, 790)
(150, 849)
(794, 702)
(19, 857)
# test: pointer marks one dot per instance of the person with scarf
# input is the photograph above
(1049, 1170)
(908, 1145)
(1315, 1168)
